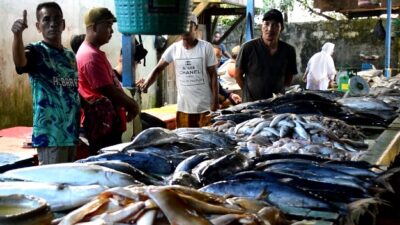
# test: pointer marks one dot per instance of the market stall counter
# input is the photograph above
(15, 148)
(165, 113)
(386, 147)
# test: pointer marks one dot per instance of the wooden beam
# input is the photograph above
(213, 26)
(216, 11)
(234, 25)
(200, 8)
(207, 22)
(241, 3)
(363, 12)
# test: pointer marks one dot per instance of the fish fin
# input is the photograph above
(263, 195)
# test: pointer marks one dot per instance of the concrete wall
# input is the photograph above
(351, 38)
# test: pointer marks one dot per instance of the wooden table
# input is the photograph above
(166, 113)
(386, 146)
(15, 148)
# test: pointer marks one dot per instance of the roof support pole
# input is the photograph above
(249, 20)
(128, 74)
(387, 71)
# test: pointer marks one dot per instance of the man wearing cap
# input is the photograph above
(108, 106)
(266, 65)
(196, 77)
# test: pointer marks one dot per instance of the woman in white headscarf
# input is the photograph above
(320, 70)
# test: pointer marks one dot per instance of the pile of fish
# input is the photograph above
(211, 161)
(388, 83)
(313, 129)
(172, 205)
(386, 89)
(382, 88)
(299, 180)
(158, 151)
(303, 185)
(327, 149)
(299, 154)
(371, 106)
(299, 134)
(338, 127)
(324, 103)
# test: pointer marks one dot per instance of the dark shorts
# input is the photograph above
(51, 155)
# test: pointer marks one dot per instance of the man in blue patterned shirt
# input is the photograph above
(54, 82)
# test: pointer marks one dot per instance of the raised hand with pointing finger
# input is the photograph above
(18, 45)
(20, 25)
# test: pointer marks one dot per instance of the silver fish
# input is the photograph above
(283, 131)
(151, 137)
(278, 118)
(73, 174)
(299, 129)
(259, 127)
(365, 103)
(59, 196)
(272, 130)
(286, 123)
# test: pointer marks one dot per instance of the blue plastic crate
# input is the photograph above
(153, 16)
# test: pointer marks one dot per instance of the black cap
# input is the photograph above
(274, 14)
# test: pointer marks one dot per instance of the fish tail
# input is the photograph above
(388, 178)
(363, 210)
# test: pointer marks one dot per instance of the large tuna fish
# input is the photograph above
(59, 196)
(73, 174)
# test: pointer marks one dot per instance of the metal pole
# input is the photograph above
(387, 71)
(249, 20)
(128, 75)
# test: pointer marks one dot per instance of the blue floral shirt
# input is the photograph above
(54, 82)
